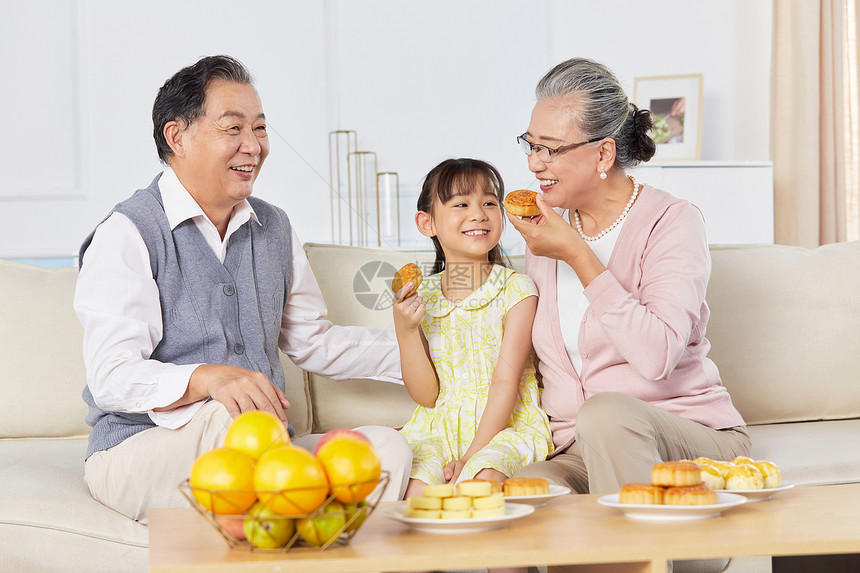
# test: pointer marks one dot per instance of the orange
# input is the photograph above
(293, 480)
(352, 467)
(254, 432)
(222, 481)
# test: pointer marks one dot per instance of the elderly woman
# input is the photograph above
(622, 270)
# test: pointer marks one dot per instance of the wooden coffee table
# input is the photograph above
(571, 530)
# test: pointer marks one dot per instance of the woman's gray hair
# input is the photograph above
(605, 110)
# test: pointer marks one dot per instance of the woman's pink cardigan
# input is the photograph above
(644, 331)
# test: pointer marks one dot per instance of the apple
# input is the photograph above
(266, 529)
(233, 526)
(338, 432)
(325, 527)
(361, 508)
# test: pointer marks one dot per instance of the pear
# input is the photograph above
(325, 527)
(266, 529)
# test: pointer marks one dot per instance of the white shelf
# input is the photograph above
(698, 163)
(735, 197)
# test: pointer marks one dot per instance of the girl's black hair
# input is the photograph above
(455, 177)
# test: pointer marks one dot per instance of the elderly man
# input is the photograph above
(186, 292)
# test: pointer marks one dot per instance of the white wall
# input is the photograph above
(419, 82)
(728, 41)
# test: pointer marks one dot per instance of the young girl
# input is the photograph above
(465, 339)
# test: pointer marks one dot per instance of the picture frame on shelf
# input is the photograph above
(676, 107)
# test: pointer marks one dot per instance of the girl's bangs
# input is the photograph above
(461, 182)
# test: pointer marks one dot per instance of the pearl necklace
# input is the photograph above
(617, 222)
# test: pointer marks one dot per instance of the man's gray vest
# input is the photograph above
(212, 313)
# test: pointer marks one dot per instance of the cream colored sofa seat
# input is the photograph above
(784, 329)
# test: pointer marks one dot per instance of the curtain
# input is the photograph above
(808, 123)
(851, 110)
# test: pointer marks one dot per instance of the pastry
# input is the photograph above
(745, 476)
(742, 460)
(641, 493)
(522, 203)
(701, 494)
(408, 273)
(676, 474)
(475, 499)
(440, 490)
(456, 503)
(475, 488)
(456, 513)
(423, 513)
(723, 467)
(495, 486)
(424, 502)
(491, 512)
(515, 487)
(438, 502)
(488, 502)
(770, 472)
(712, 476)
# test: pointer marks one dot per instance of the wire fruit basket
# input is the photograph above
(333, 523)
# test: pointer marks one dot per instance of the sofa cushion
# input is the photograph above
(44, 495)
(356, 282)
(784, 330)
(811, 453)
(35, 549)
(40, 350)
(354, 403)
(298, 393)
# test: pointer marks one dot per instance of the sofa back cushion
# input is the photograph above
(297, 391)
(355, 283)
(785, 330)
(40, 353)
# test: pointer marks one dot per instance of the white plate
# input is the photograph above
(759, 494)
(674, 512)
(512, 511)
(539, 500)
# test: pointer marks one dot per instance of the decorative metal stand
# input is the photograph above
(365, 203)
(388, 201)
(340, 145)
(364, 206)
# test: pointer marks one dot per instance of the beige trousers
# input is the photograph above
(619, 438)
(145, 470)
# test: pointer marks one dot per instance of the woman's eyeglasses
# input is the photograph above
(545, 153)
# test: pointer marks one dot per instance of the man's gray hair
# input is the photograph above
(182, 95)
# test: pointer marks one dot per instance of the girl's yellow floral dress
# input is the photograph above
(464, 340)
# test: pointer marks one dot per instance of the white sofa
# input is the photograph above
(784, 329)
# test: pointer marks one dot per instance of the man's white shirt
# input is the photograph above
(117, 301)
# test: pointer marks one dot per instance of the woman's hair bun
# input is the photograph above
(643, 147)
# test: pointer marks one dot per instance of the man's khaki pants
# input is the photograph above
(145, 470)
